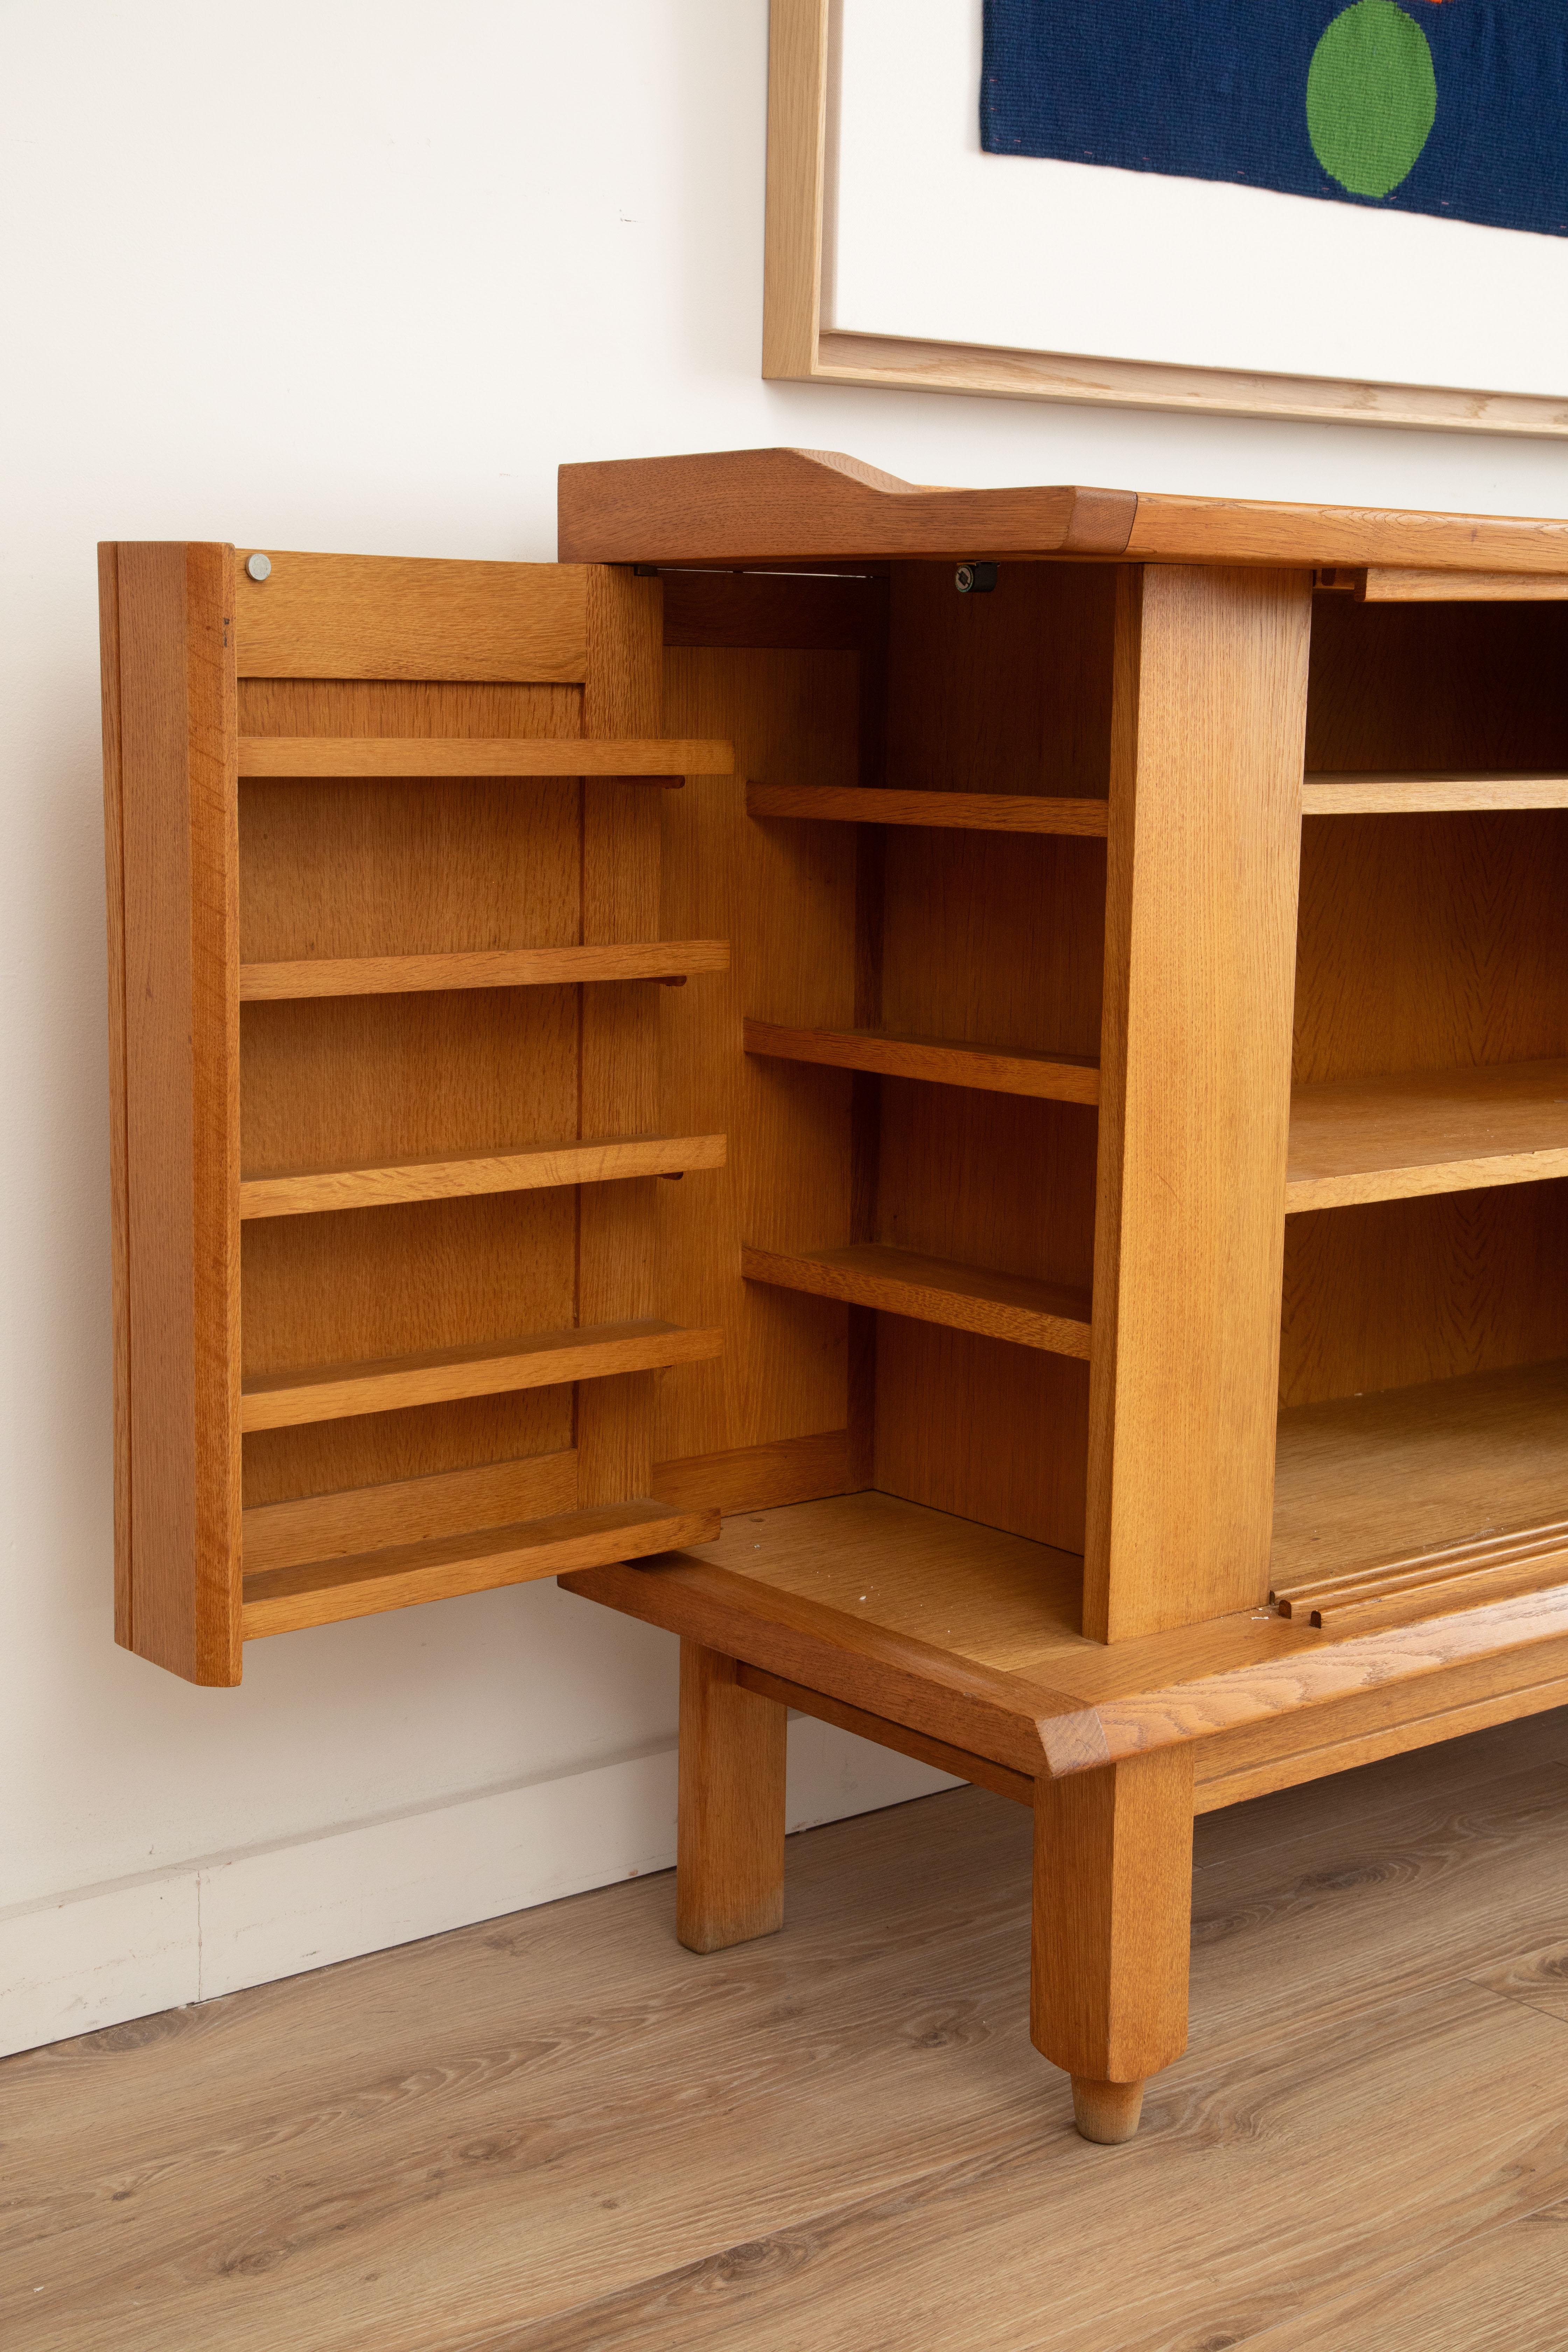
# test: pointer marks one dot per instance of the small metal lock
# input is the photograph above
(974, 579)
(259, 566)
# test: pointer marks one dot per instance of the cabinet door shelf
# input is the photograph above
(538, 1360)
(933, 1290)
(448, 1176)
(1426, 1132)
(994, 1069)
(955, 811)
(1405, 795)
(318, 1592)
(407, 975)
(322, 756)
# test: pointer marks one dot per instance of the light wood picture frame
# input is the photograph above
(799, 347)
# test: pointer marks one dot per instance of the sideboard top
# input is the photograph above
(754, 506)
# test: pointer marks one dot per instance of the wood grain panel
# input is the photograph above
(1365, 1479)
(118, 1107)
(370, 867)
(1442, 795)
(784, 896)
(500, 755)
(449, 1176)
(174, 748)
(377, 616)
(510, 967)
(1395, 1292)
(960, 812)
(1201, 918)
(1006, 694)
(932, 1290)
(760, 1478)
(409, 1510)
(1411, 585)
(1443, 1131)
(1450, 688)
(994, 1069)
(620, 1273)
(433, 1375)
(323, 1593)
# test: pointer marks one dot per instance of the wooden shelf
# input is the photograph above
(957, 812)
(407, 975)
(282, 1600)
(1378, 795)
(995, 1070)
(1403, 1489)
(448, 1176)
(479, 755)
(436, 1376)
(933, 1290)
(1430, 1131)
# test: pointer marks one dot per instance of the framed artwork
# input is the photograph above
(1319, 209)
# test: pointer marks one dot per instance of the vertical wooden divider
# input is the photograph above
(1208, 733)
(171, 810)
(618, 1267)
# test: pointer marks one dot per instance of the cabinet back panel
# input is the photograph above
(406, 867)
(783, 894)
(330, 1081)
(1405, 686)
(997, 1180)
(1008, 692)
(994, 940)
(356, 1285)
(375, 1449)
(1431, 942)
(987, 1431)
(1397, 1292)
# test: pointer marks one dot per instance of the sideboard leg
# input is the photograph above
(728, 1877)
(1113, 1928)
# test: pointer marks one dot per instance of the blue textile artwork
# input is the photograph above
(1453, 107)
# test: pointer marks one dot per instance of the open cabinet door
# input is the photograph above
(383, 867)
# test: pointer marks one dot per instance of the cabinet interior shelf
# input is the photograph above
(955, 811)
(407, 975)
(995, 1070)
(1375, 796)
(321, 756)
(933, 1290)
(447, 1176)
(1391, 1500)
(1429, 1131)
(316, 1592)
(494, 1368)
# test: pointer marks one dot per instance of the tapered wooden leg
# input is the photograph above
(1113, 1928)
(729, 1875)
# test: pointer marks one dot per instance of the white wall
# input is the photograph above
(357, 274)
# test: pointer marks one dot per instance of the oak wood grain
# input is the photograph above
(444, 1177)
(994, 1069)
(504, 967)
(409, 1510)
(959, 811)
(443, 1567)
(933, 1290)
(174, 792)
(542, 1359)
(1431, 1131)
(377, 616)
(1200, 928)
(477, 755)
(1348, 795)
(730, 1866)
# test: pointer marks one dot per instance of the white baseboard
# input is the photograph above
(125, 1949)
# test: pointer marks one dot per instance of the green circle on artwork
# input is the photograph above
(1372, 97)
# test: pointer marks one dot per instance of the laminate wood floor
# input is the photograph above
(559, 2132)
